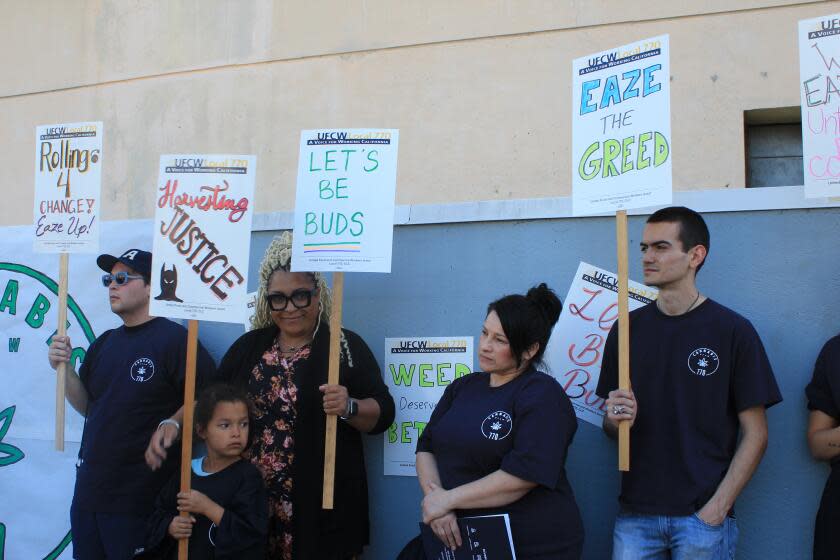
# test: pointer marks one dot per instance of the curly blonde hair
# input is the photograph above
(278, 256)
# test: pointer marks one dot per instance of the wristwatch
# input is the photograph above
(352, 409)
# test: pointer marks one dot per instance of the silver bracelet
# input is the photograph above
(170, 421)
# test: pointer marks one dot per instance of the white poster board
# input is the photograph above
(621, 128)
(68, 175)
(344, 206)
(576, 346)
(36, 482)
(417, 371)
(819, 72)
(202, 236)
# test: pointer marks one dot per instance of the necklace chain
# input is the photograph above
(690, 307)
(292, 349)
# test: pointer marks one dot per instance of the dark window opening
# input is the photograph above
(773, 147)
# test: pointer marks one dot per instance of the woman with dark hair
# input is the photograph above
(282, 363)
(497, 440)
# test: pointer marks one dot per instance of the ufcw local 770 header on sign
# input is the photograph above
(344, 207)
(202, 235)
(68, 171)
(621, 128)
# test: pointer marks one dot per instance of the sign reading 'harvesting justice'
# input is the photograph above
(202, 234)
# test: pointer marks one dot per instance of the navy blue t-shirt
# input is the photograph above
(242, 533)
(823, 391)
(691, 375)
(524, 428)
(134, 377)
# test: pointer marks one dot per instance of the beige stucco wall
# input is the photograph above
(479, 90)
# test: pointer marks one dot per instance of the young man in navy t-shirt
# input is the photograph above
(130, 388)
(700, 376)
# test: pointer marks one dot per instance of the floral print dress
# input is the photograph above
(274, 396)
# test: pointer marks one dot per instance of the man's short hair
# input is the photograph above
(693, 228)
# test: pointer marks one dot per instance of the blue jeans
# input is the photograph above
(662, 537)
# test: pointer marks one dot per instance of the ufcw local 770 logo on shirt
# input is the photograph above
(497, 425)
(142, 370)
(703, 362)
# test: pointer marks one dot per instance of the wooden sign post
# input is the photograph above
(621, 147)
(623, 335)
(332, 379)
(61, 370)
(68, 173)
(344, 222)
(187, 431)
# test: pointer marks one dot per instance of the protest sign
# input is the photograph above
(344, 222)
(576, 347)
(68, 172)
(819, 72)
(621, 128)
(417, 371)
(202, 240)
(202, 236)
(621, 156)
(344, 206)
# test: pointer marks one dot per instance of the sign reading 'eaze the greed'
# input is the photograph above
(621, 128)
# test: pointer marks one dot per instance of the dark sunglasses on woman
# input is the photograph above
(280, 301)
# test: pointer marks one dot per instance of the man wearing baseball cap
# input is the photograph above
(130, 390)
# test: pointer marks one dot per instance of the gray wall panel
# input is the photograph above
(780, 269)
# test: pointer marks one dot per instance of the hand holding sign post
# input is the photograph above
(202, 238)
(621, 131)
(68, 171)
(344, 222)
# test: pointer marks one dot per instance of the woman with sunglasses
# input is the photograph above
(283, 365)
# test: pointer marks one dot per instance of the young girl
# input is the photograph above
(227, 504)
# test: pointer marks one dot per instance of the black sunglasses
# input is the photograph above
(280, 301)
(121, 278)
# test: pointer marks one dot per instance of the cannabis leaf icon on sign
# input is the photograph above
(9, 454)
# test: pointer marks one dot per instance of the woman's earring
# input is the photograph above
(318, 321)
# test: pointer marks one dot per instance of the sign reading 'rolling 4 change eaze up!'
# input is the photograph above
(68, 175)
(344, 207)
(202, 236)
(819, 72)
(621, 128)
